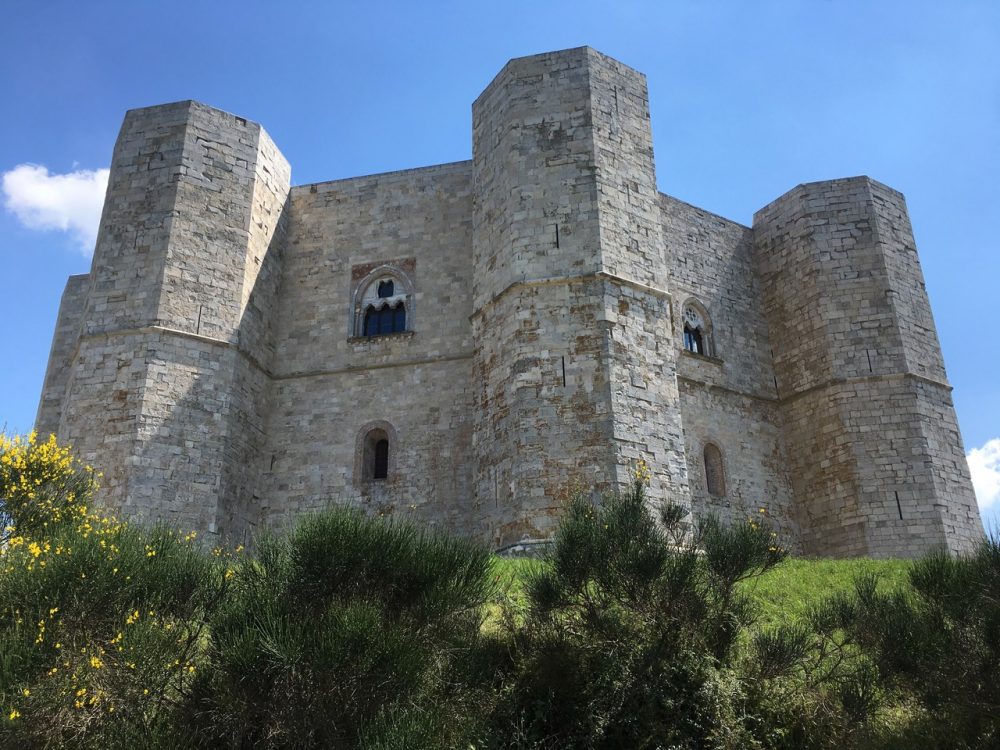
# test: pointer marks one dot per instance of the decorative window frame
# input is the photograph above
(361, 468)
(699, 310)
(361, 300)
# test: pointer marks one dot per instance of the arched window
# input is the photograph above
(376, 455)
(383, 303)
(715, 472)
(376, 452)
(697, 330)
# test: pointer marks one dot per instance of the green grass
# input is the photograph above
(787, 593)
(784, 595)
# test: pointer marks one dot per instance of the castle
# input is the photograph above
(462, 342)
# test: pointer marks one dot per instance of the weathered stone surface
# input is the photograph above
(217, 364)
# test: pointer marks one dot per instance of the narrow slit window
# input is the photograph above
(380, 470)
(715, 473)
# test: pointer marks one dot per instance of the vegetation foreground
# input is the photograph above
(636, 632)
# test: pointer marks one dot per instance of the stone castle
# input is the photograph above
(462, 342)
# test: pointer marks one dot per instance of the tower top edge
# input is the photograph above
(803, 187)
(583, 52)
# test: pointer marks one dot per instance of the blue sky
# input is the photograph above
(748, 99)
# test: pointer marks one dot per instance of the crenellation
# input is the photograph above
(465, 343)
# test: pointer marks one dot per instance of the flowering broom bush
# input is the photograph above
(101, 623)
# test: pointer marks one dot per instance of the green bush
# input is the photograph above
(349, 632)
(101, 623)
(936, 646)
(630, 635)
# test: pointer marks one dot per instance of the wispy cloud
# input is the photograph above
(69, 202)
(984, 464)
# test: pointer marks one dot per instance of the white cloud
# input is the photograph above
(984, 464)
(67, 202)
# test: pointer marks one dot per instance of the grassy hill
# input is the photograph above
(784, 594)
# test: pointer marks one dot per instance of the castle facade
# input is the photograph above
(461, 343)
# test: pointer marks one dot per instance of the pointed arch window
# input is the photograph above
(697, 330)
(383, 304)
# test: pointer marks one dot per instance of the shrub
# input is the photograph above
(349, 632)
(101, 623)
(937, 646)
(630, 633)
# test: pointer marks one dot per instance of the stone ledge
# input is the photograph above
(702, 357)
(400, 335)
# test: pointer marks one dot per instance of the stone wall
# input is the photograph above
(330, 386)
(64, 341)
(729, 398)
(572, 382)
(161, 395)
(848, 317)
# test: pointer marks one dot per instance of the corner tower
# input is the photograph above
(575, 375)
(875, 454)
(161, 354)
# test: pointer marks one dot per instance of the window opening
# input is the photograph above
(381, 468)
(715, 474)
(386, 320)
(382, 306)
(697, 331)
(693, 340)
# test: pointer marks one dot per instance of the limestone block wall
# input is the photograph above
(727, 399)
(572, 384)
(542, 415)
(156, 396)
(331, 386)
(64, 341)
(871, 475)
(642, 367)
(537, 306)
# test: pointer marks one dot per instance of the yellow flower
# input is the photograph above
(25, 692)
(14, 713)
(96, 663)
